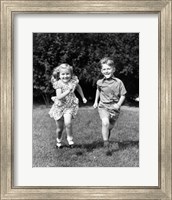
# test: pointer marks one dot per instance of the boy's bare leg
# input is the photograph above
(112, 124)
(105, 129)
(105, 134)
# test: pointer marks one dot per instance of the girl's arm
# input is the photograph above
(96, 98)
(61, 95)
(80, 91)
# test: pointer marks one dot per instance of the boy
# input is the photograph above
(111, 92)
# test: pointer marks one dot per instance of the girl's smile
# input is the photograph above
(65, 75)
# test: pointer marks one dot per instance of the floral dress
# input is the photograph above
(68, 104)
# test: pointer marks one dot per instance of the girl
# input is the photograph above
(65, 105)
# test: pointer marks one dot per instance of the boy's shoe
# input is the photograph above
(59, 145)
(106, 144)
(107, 148)
(109, 152)
(116, 146)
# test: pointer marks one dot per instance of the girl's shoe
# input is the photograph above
(59, 145)
(71, 144)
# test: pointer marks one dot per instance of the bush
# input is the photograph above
(83, 51)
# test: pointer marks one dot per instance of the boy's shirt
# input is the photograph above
(110, 89)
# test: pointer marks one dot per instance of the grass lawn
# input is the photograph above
(89, 151)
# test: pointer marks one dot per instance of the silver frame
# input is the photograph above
(164, 9)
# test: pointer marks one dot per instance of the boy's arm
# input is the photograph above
(120, 102)
(80, 91)
(96, 98)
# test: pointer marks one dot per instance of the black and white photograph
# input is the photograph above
(85, 100)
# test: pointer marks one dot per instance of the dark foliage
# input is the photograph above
(83, 51)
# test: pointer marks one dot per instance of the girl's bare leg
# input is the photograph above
(68, 127)
(59, 131)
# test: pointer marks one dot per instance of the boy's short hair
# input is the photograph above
(107, 60)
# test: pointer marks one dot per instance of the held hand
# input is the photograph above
(95, 105)
(116, 106)
(84, 100)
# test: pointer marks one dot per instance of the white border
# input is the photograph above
(147, 26)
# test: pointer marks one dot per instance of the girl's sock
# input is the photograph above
(58, 144)
(58, 140)
(70, 140)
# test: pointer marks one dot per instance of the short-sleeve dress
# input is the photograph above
(68, 104)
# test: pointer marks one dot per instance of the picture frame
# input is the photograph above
(163, 190)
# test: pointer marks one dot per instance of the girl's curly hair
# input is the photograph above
(56, 71)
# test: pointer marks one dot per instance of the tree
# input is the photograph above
(84, 51)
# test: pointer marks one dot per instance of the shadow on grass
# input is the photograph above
(99, 144)
(127, 144)
(90, 147)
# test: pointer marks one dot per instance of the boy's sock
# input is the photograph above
(106, 144)
(116, 146)
(107, 148)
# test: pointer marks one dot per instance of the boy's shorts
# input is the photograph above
(108, 111)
